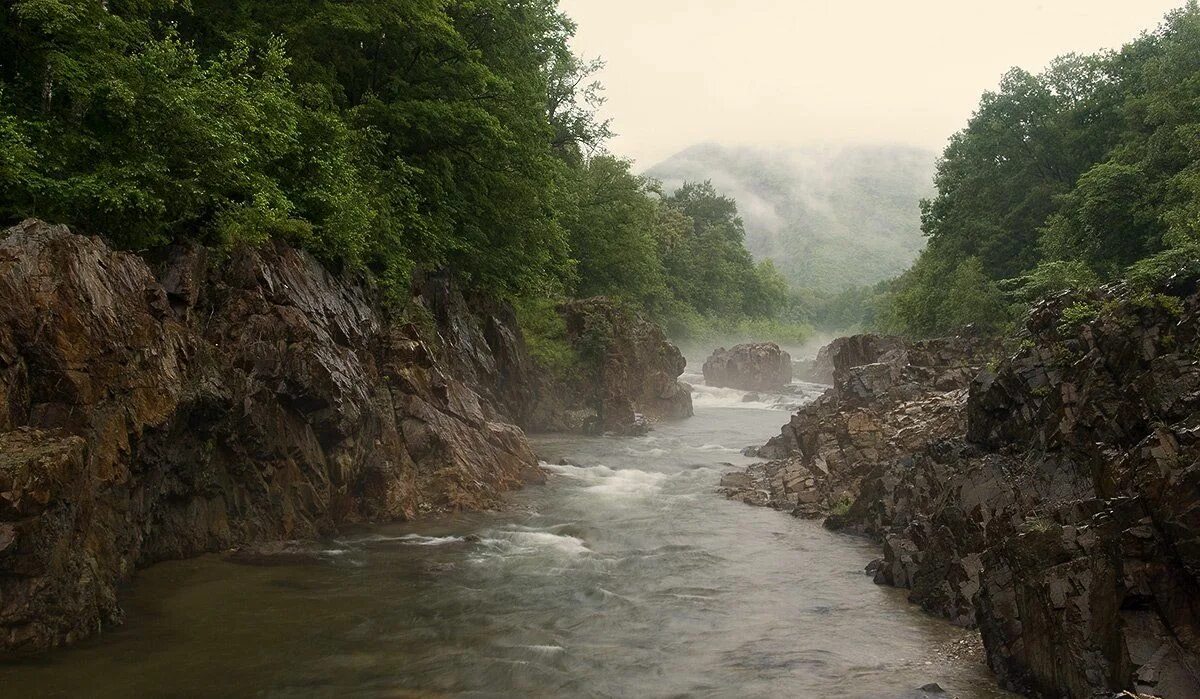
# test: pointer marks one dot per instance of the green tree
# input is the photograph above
(1073, 175)
(611, 225)
(708, 267)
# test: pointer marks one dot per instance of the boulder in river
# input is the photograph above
(757, 366)
(846, 352)
(625, 376)
(631, 373)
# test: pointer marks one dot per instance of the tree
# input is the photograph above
(1074, 174)
(611, 227)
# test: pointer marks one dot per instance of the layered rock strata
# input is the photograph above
(1054, 504)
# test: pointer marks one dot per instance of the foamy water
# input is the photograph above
(798, 393)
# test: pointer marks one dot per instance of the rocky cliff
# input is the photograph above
(628, 374)
(1055, 504)
(213, 401)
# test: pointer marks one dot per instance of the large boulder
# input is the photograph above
(845, 352)
(758, 366)
(625, 377)
(901, 395)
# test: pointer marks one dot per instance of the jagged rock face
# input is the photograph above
(845, 353)
(758, 366)
(629, 371)
(249, 399)
(483, 343)
(874, 413)
(1056, 505)
(627, 376)
(1100, 591)
(879, 410)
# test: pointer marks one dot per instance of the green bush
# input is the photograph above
(546, 335)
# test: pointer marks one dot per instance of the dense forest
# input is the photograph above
(381, 135)
(1084, 174)
(396, 135)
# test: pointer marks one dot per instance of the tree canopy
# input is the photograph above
(1068, 177)
(384, 135)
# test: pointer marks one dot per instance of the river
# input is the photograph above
(623, 576)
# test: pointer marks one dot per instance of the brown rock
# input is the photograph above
(256, 400)
(760, 366)
(630, 372)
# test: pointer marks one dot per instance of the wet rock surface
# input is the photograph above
(756, 366)
(221, 402)
(1050, 499)
(846, 352)
(626, 377)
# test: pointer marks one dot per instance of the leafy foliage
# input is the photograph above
(681, 257)
(708, 266)
(829, 217)
(1087, 172)
(546, 335)
(386, 133)
(382, 135)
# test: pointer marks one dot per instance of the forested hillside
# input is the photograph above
(1085, 173)
(829, 217)
(382, 135)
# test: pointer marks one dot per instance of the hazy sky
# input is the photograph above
(815, 71)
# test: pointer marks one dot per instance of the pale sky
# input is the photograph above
(802, 72)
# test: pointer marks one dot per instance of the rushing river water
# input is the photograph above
(624, 576)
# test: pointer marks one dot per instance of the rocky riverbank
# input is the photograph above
(150, 412)
(1050, 497)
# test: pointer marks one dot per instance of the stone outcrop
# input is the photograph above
(628, 373)
(880, 409)
(239, 401)
(846, 352)
(626, 377)
(1055, 505)
(221, 402)
(758, 366)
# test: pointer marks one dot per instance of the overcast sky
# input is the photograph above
(761, 72)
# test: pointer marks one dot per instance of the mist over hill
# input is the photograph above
(829, 217)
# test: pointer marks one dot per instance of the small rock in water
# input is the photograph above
(752, 398)
(533, 476)
(933, 688)
(759, 366)
(736, 480)
(279, 553)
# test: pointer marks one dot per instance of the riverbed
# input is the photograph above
(624, 576)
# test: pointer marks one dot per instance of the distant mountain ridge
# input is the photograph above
(829, 217)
